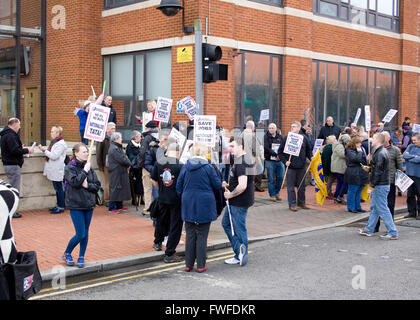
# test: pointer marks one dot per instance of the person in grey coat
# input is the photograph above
(119, 182)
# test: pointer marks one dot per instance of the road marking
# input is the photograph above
(343, 250)
(163, 268)
(363, 254)
(408, 260)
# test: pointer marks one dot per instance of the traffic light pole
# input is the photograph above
(198, 66)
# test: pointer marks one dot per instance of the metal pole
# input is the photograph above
(198, 65)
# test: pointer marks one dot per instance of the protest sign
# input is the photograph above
(388, 117)
(293, 144)
(186, 152)
(205, 130)
(416, 127)
(275, 147)
(163, 109)
(179, 107)
(402, 181)
(96, 123)
(358, 113)
(367, 118)
(190, 107)
(147, 117)
(178, 136)
(265, 114)
(318, 145)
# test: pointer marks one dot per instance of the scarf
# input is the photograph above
(137, 145)
(54, 141)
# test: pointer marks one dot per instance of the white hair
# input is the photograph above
(110, 124)
(250, 124)
(116, 136)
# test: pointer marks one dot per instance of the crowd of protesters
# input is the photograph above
(225, 177)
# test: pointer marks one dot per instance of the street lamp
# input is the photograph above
(170, 8)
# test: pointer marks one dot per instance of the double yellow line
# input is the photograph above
(83, 285)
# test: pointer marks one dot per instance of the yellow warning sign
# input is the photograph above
(184, 54)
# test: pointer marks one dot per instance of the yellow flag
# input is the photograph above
(365, 194)
(318, 173)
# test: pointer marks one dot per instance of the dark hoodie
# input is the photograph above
(327, 131)
(11, 148)
(196, 185)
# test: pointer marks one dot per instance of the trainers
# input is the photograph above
(389, 237)
(200, 270)
(278, 197)
(242, 255)
(57, 210)
(114, 211)
(165, 241)
(232, 261)
(173, 258)
(274, 199)
(81, 262)
(364, 233)
(68, 259)
(157, 246)
(124, 209)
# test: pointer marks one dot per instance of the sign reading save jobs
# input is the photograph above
(96, 123)
(205, 130)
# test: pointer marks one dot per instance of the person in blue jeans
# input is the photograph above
(81, 187)
(379, 180)
(273, 143)
(355, 176)
(240, 195)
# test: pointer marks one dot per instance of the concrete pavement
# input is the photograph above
(122, 240)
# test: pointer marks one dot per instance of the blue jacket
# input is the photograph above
(412, 158)
(196, 186)
(83, 115)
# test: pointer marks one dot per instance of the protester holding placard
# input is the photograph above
(151, 107)
(83, 113)
(395, 163)
(412, 158)
(379, 180)
(296, 170)
(273, 144)
(112, 113)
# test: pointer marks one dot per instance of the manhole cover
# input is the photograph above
(409, 223)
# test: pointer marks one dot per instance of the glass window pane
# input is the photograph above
(257, 84)
(30, 12)
(139, 77)
(328, 9)
(237, 65)
(358, 16)
(341, 120)
(371, 91)
(384, 94)
(106, 73)
(345, 1)
(8, 80)
(384, 22)
(158, 74)
(122, 76)
(357, 92)
(314, 90)
(8, 12)
(371, 19)
(322, 95)
(276, 91)
(359, 3)
(385, 7)
(372, 4)
(332, 90)
(344, 13)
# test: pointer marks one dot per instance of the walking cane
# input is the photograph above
(230, 218)
(285, 173)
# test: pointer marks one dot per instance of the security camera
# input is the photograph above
(170, 7)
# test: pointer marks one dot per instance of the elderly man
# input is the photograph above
(273, 144)
(112, 114)
(12, 151)
(102, 155)
(329, 129)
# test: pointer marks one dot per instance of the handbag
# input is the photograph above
(22, 279)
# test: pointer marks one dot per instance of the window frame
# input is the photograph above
(395, 20)
(125, 3)
(269, 2)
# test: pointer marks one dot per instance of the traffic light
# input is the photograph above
(213, 71)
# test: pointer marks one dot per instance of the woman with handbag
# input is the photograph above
(197, 184)
(54, 165)
(82, 184)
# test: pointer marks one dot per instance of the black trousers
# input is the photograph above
(169, 223)
(294, 177)
(196, 244)
(413, 204)
(391, 204)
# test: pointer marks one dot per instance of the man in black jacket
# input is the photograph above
(379, 180)
(12, 151)
(329, 129)
(273, 143)
(296, 171)
(112, 114)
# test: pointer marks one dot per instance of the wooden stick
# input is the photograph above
(304, 176)
(285, 174)
(90, 150)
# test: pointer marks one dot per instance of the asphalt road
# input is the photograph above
(334, 263)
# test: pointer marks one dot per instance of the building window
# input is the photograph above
(108, 4)
(133, 80)
(257, 87)
(339, 90)
(272, 2)
(382, 14)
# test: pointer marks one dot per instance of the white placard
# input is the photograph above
(147, 117)
(178, 136)
(367, 118)
(205, 130)
(402, 181)
(388, 117)
(265, 115)
(317, 145)
(186, 152)
(190, 107)
(293, 144)
(275, 147)
(416, 127)
(163, 109)
(358, 113)
(96, 123)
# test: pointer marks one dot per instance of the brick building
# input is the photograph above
(298, 58)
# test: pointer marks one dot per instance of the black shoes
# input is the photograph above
(157, 246)
(173, 258)
(17, 215)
